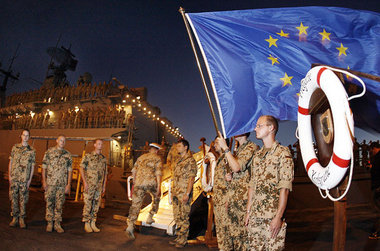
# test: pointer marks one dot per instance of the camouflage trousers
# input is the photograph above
(91, 200)
(55, 198)
(259, 235)
(235, 214)
(137, 200)
(221, 226)
(19, 196)
(181, 213)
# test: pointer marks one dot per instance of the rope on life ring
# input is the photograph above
(326, 177)
(129, 187)
(207, 186)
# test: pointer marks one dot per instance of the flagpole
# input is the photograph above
(182, 11)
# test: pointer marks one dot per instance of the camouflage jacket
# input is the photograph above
(172, 158)
(146, 169)
(220, 183)
(244, 154)
(95, 168)
(22, 157)
(272, 169)
(185, 168)
(57, 164)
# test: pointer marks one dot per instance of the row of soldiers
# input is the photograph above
(56, 181)
(62, 94)
(100, 117)
(249, 191)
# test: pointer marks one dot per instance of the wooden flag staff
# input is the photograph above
(182, 11)
(208, 239)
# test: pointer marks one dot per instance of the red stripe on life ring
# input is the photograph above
(303, 111)
(319, 75)
(310, 163)
(343, 163)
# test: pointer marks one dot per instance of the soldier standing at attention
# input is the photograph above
(93, 170)
(56, 181)
(237, 195)
(271, 180)
(184, 174)
(220, 200)
(147, 179)
(20, 171)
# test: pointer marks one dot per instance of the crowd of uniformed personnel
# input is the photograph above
(62, 93)
(250, 186)
(100, 117)
(250, 191)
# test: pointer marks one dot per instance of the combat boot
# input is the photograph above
(58, 228)
(49, 227)
(150, 219)
(87, 227)
(93, 226)
(129, 232)
(14, 221)
(21, 223)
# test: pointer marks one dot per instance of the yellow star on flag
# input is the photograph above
(282, 34)
(271, 41)
(342, 49)
(286, 79)
(273, 59)
(302, 29)
(325, 35)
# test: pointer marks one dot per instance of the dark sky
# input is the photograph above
(141, 43)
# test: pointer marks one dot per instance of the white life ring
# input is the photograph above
(330, 176)
(207, 187)
(129, 187)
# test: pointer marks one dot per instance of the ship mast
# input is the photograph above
(7, 75)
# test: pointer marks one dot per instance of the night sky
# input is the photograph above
(141, 43)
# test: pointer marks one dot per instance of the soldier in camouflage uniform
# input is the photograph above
(220, 200)
(93, 170)
(20, 171)
(56, 181)
(271, 180)
(237, 195)
(184, 174)
(147, 175)
(172, 158)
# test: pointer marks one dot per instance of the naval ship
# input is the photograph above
(83, 112)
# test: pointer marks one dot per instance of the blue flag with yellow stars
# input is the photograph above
(257, 58)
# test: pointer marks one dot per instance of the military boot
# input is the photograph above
(87, 227)
(129, 232)
(14, 221)
(93, 226)
(58, 228)
(49, 227)
(21, 223)
(150, 219)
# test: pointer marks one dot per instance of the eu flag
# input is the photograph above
(257, 58)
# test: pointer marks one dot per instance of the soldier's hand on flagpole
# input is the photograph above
(44, 186)
(221, 141)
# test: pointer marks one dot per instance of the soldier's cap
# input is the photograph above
(155, 145)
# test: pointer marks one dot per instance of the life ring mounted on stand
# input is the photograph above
(329, 176)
